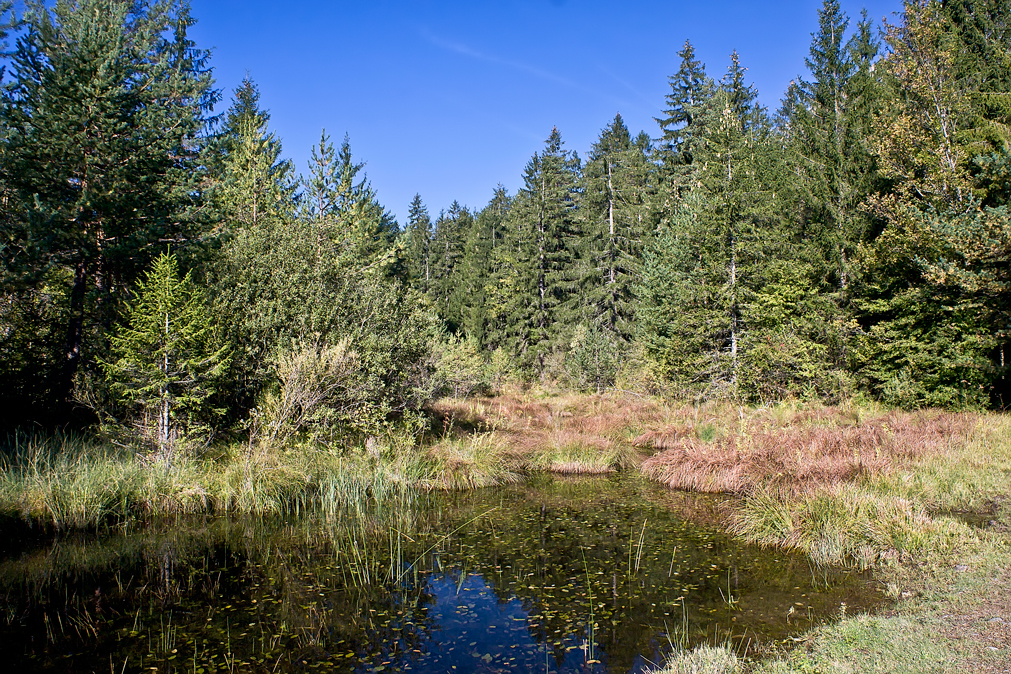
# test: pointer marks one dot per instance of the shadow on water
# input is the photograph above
(557, 575)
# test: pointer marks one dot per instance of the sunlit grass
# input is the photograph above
(587, 459)
(702, 659)
(480, 460)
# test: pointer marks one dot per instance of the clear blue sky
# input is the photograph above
(450, 98)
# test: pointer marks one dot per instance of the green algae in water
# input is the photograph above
(557, 575)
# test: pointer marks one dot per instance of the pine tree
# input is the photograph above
(166, 357)
(105, 115)
(417, 243)
(352, 228)
(544, 233)
(617, 182)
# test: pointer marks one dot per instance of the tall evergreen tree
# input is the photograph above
(828, 130)
(742, 97)
(417, 244)
(690, 89)
(167, 358)
(254, 183)
(485, 237)
(105, 116)
(709, 280)
(446, 289)
(615, 219)
(544, 232)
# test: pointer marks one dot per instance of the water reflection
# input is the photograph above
(593, 575)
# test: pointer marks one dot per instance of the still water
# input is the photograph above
(555, 575)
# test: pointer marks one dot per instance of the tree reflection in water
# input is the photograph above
(557, 575)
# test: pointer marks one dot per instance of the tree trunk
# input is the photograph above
(75, 334)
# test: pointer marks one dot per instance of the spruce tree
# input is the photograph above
(828, 130)
(690, 89)
(447, 290)
(417, 243)
(105, 115)
(478, 268)
(615, 221)
(697, 312)
(167, 359)
(544, 234)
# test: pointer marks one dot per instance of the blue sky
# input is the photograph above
(450, 98)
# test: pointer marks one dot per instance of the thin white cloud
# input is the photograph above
(638, 94)
(464, 50)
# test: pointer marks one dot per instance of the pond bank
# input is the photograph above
(852, 486)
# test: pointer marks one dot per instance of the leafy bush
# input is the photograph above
(459, 368)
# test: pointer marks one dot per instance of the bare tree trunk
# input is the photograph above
(610, 220)
(163, 413)
(75, 333)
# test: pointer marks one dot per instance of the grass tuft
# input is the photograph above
(702, 659)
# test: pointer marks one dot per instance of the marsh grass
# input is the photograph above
(573, 434)
(899, 509)
(480, 460)
(801, 457)
(573, 456)
(66, 482)
(867, 487)
(703, 659)
(849, 524)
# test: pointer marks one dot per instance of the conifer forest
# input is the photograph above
(191, 323)
(853, 242)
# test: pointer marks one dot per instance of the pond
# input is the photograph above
(554, 575)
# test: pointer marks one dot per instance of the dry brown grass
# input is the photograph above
(566, 434)
(817, 448)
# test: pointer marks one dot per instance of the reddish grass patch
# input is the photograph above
(798, 458)
(589, 423)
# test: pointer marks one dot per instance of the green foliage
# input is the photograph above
(447, 288)
(616, 221)
(593, 358)
(484, 241)
(937, 322)
(536, 293)
(828, 129)
(418, 244)
(459, 368)
(103, 119)
(166, 358)
(325, 277)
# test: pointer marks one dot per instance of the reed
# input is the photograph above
(577, 456)
(480, 460)
(73, 483)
